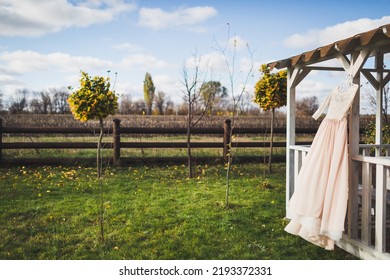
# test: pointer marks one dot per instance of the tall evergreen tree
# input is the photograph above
(149, 91)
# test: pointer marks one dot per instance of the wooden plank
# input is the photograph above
(297, 164)
(292, 77)
(374, 146)
(359, 61)
(325, 68)
(374, 160)
(388, 183)
(301, 75)
(1, 139)
(379, 101)
(361, 250)
(373, 81)
(366, 151)
(171, 145)
(93, 145)
(344, 61)
(55, 145)
(55, 130)
(380, 210)
(388, 180)
(290, 134)
(149, 130)
(300, 148)
(366, 202)
(353, 209)
(386, 79)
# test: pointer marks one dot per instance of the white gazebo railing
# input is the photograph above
(373, 203)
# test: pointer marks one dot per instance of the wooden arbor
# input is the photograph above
(369, 178)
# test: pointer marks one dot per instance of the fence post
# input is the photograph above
(117, 140)
(1, 140)
(227, 129)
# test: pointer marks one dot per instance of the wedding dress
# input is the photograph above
(319, 203)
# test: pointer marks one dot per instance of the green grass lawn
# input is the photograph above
(152, 212)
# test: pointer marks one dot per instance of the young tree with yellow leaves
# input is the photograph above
(94, 100)
(270, 94)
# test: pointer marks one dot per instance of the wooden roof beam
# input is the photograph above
(373, 81)
(297, 75)
(377, 38)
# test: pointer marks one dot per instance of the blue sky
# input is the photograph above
(45, 44)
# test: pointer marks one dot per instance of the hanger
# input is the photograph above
(346, 84)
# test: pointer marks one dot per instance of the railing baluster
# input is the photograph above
(366, 202)
(297, 164)
(366, 151)
(380, 209)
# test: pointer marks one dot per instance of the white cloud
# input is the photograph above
(319, 37)
(312, 87)
(34, 18)
(156, 18)
(9, 80)
(23, 62)
(215, 64)
(129, 47)
(209, 62)
(144, 62)
(33, 70)
(167, 84)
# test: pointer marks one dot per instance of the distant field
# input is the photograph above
(30, 120)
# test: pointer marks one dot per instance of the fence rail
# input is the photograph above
(116, 131)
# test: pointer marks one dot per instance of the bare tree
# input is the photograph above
(126, 104)
(140, 107)
(307, 106)
(229, 53)
(161, 102)
(212, 93)
(36, 106)
(19, 101)
(169, 107)
(370, 96)
(42, 103)
(192, 79)
(1, 101)
(59, 101)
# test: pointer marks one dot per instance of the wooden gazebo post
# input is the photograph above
(294, 76)
(290, 137)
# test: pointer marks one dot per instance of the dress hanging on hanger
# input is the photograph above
(318, 205)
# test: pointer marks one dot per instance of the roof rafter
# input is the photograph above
(378, 38)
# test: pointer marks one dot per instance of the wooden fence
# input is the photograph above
(116, 131)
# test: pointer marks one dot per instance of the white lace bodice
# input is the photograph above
(338, 103)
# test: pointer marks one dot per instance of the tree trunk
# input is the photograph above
(99, 150)
(99, 175)
(271, 141)
(190, 174)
